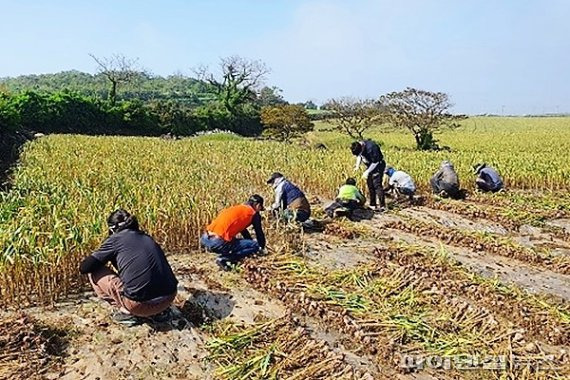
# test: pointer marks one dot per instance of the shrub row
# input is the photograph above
(68, 112)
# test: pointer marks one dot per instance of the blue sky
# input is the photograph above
(491, 56)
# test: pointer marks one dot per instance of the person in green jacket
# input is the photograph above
(349, 198)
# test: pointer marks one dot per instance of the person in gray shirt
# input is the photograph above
(445, 181)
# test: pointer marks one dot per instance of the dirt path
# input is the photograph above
(563, 223)
(524, 234)
(451, 220)
(488, 264)
(337, 253)
(508, 271)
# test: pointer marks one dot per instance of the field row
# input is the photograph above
(411, 300)
(66, 186)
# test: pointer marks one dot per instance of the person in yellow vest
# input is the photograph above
(348, 199)
(220, 235)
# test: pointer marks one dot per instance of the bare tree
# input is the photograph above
(353, 116)
(421, 112)
(239, 81)
(118, 69)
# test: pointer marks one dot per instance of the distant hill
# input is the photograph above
(181, 88)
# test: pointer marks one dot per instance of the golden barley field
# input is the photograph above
(417, 292)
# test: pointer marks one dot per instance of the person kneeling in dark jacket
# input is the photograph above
(142, 283)
(290, 202)
(487, 178)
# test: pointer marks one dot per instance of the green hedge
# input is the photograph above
(69, 112)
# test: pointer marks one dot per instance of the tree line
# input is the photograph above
(123, 98)
(423, 113)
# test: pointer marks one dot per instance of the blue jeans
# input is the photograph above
(232, 251)
(486, 186)
(295, 215)
(405, 191)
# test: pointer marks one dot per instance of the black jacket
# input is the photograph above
(371, 153)
(140, 263)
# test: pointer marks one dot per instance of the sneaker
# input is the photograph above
(224, 265)
(162, 317)
(443, 194)
(312, 225)
(341, 212)
(125, 319)
(379, 209)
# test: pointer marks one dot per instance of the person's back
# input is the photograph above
(143, 284)
(492, 178)
(349, 193)
(220, 236)
(291, 192)
(449, 175)
(231, 221)
(402, 179)
(141, 265)
(371, 152)
(295, 199)
(487, 178)
(348, 199)
(290, 201)
(446, 181)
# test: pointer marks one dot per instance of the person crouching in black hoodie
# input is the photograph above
(142, 283)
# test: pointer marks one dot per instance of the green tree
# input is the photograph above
(9, 115)
(310, 105)
(270, 96)
(285, 122)
(421, 112)
(180, 88)
(174, 117)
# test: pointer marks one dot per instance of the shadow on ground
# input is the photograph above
(205, 306)
(361, 214)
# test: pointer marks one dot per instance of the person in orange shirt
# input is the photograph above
(220, 235)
